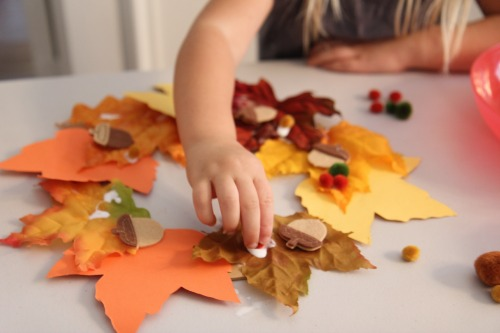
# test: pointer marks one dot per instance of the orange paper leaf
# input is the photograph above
(284, 273)
(64, 158)
(133, 286)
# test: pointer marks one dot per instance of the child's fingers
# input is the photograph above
(202, 201)
(228, 197)
(266, 203)
(250, 212)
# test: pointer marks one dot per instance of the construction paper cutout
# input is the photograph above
(151, 130)
(63, 158)
(71, 221)
(132, 286)
(282, 158)
(284, 273)
(390, 197)
(162, 101)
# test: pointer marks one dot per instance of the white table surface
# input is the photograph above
(439, 293)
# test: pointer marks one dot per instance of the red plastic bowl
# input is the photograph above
(485, 77)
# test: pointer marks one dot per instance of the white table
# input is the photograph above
(439, 293)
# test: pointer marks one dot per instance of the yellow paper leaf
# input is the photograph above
(282, 158)
(390, 197)
(162, 101)
(356, 220)
(396, 200)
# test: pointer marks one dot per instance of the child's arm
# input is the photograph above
(421, 50)
(203, 87)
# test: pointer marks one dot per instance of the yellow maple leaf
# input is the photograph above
(282, 158)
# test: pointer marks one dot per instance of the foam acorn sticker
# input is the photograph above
(285, 125)
(138, 231)
(109, 137)
(257, 114)
(306, 234)
(325, 155)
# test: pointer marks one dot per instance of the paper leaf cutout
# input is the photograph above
(64, 158)
(281, 158)
(283, 273)
(390, 197)
(150, 130)
(72, 221)
(162, 101)
(133, 286)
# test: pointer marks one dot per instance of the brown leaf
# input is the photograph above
(283, 273)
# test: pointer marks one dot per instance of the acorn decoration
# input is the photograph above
(109, 137)
(254, 115)
(306, 234)
(325, 155)
(138, 231)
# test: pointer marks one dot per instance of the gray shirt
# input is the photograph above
(362, 20)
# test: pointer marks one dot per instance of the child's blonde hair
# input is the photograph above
(452, 16)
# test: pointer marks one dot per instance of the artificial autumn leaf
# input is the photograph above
(283, 273)
(64, 158)
(150, 130)
(282, 158)
(302, 107)
(133, 286)
(368, 146)
(83, 214)
(390, 196)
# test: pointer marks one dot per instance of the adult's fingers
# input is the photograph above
(202, 201)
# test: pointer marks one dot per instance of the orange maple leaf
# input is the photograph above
(150, 130)
(132, 286)
(284, 273)
(71, 220)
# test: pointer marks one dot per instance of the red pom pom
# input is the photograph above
(374, 94)
(395, 96)
(326, 180)
(376, 107)
(340, 182)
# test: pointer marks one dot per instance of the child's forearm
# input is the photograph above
(203, 87)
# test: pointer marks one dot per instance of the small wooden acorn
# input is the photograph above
(306, 234)
(257, 114)
(109, 137)
(487, 268)
(325, 155)
(138, 231)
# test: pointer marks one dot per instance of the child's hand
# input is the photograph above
(226, 170)
(374, 57)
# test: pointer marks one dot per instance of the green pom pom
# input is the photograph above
(390, 107)
(403, 110)
(339, 169)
